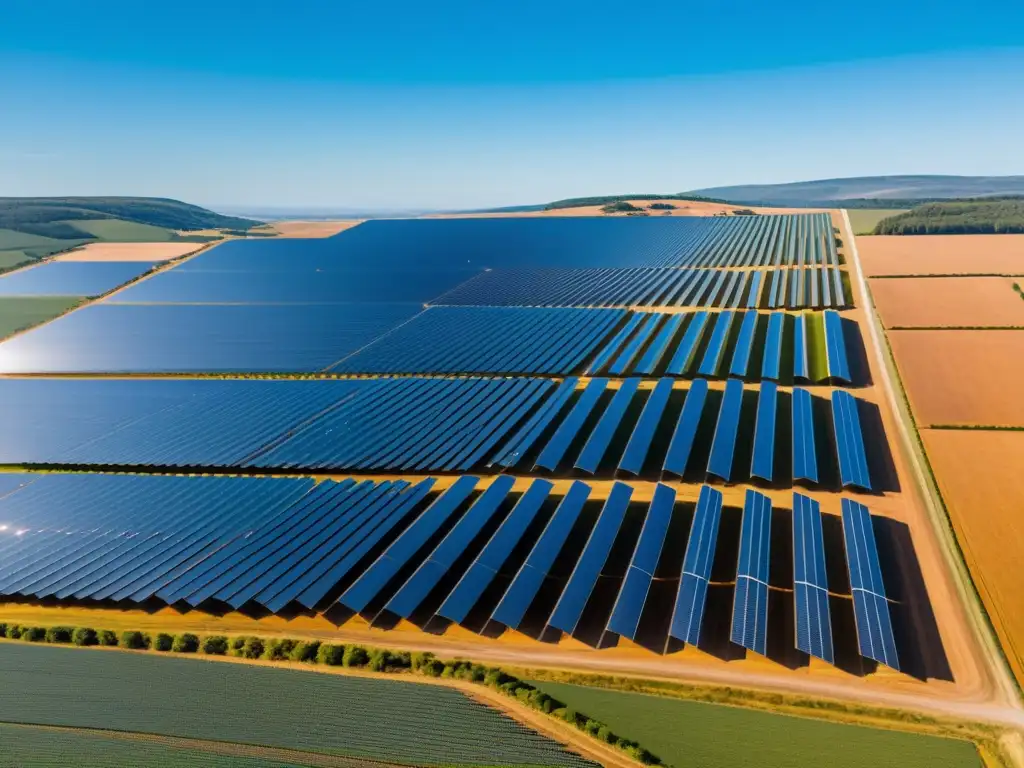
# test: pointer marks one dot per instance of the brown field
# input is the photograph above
(312, 228)
(978, 473)
(935, 302)
(962, 377)
(129, 251)
(942, 255)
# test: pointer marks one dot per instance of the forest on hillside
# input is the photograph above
(959, 217)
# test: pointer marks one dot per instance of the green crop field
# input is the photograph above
(12, 259)
(863, 220)
(20, 312)
(387, 720)
(11, 240)
(119, 231)
(28, 747)
(684, 733)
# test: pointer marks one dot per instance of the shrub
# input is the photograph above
(604, 733)
(494, 677)
(254, 648)
(33, 634)
(280, 649)
(58, 635)
(305, 651)
(401, 660)
(85, 636)
(379, 660)
(331, 655)
(14, 631)
(237, 645)
(135, 640)
(215, 645)
(355, 656)
(571, 716)
(592, 727)
(186, 643)
(417, 660)
(106, 637)
(3, 629)
(433, 668)
(163, 642)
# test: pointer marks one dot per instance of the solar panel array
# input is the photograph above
(71, 278)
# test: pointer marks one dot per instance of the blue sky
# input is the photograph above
(458, 104)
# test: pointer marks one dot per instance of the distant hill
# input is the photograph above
(35, 227)
(888, 188)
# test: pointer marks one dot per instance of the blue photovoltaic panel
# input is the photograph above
(633, 457)
(683, 358)
(813, 622)
(716, 345)
(566, 432)
(679, 449)
(744, 345)
(801, 367)
(567, 612)
(594, 450)
(754, 297)
(524, 587)
(71, 278)
(772, 362)
(656, 351)
(606, 354)
(438, 563)
(632, 349)
(835, 348)
(853, 463)
(871, 609)
(723, 446)
(750, 603)
(376, 577)
(629, 605)
(805, 456)
(762, 463)
(489, 562)
(511, 453)
(688, 614)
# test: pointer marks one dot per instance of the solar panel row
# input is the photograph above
(487, 340)
(71, 278)
(809, 288)
(810, 581)
(750, 601)
(853, 462)
(641, 286)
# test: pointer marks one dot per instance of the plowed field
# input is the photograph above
(942, 255)
(963, 378)
(979, 475)
(129, 251)
(948, 302)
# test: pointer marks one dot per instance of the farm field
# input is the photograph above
(978, 473)
(715, 736)
(888, 255)
(863, 220)
(12, 259)
(121, 231)
(314, 229)
(383, 720)
(158, 251)
(960, 377)
(936, 302)
(20, 312)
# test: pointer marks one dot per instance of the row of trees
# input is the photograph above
(966, 217)
(334, 655)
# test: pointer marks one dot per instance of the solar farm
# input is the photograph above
(660, 441)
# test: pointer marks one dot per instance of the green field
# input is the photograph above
(28, 747)
(12, 259)
(11, 240)
(685, 733)
(119, 231)
(863, 220)
(387, 720)
(20, 312)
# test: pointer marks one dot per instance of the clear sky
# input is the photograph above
(470, 104)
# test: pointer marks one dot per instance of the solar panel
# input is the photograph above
(567, 611)
(750, 603)
(772, 361)
(71, 278)
(723, 445)
(603, 357)
(871, 609)
(762, 463)
(688, 614)
(744, 345)
(632, 349)
(527, 582)
(629, 605)
(597, 444)
(512, 452)
(678, 454)
(359, 595)
(813, 623)
(656, 351)
(489, 562)
(801, 366)
(716, 345)
(853, 463)
(684, 355)
(439, 562)
(835, 348)
(633, 457)
(805, 456)
(756, 284)
(559, 443)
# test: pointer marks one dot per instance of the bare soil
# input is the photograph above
(942, 255)
(312, 229)
(130, 251)
(935, 302)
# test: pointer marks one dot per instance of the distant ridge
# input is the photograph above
(803, 193)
